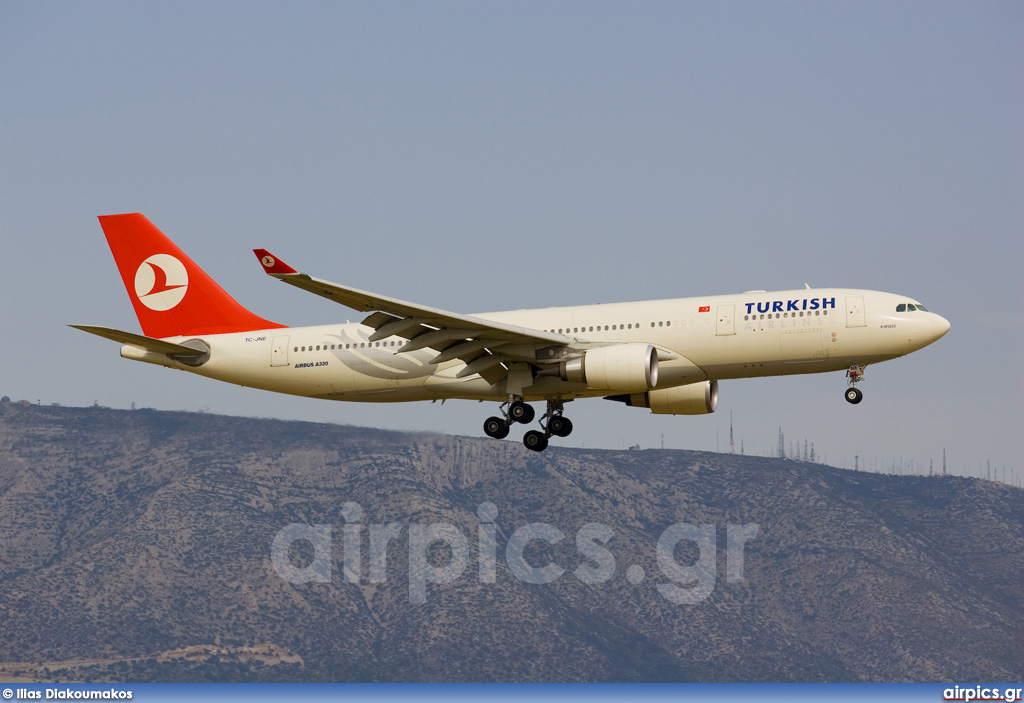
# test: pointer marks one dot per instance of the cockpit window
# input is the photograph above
(910, 307)
(922, 307)
(902, 307)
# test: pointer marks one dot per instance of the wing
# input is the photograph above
(486, 346)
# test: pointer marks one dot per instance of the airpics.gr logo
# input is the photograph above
(161, 282)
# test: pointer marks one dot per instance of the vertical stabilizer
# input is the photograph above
(171, 295)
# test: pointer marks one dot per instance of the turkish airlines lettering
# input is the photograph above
(665, 355)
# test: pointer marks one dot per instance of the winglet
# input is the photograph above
(271, 264)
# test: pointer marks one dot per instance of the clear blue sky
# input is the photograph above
(486, 156)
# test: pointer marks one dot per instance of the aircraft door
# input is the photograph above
(855, 311)
(726, 319)
(279, 351)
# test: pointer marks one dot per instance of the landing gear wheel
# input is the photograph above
(496, 427)
(521, 412)
(535, 441)
(560, 426)
(854, 396)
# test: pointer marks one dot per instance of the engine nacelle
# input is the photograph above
(692, 399)
(618, 367)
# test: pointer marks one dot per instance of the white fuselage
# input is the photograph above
(715, 337)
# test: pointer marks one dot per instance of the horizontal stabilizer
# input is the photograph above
(137, 340)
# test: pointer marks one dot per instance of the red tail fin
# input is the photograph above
(172, 296)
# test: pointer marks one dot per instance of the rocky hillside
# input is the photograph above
(144, 545)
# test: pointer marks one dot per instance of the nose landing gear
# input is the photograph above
(855, 374)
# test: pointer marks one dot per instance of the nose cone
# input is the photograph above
(940, 326)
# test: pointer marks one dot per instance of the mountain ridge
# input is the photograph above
(127, 534)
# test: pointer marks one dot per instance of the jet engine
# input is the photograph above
(618, 367)
(692, 399)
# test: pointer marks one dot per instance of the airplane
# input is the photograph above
(664, 355)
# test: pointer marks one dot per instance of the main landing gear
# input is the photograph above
(552, 423)
(855, 374)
